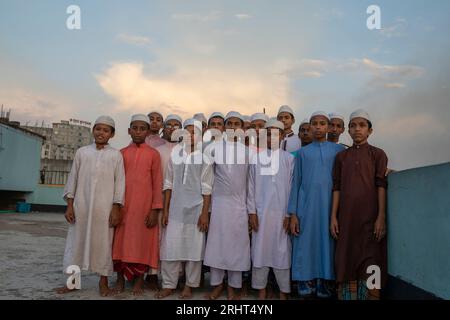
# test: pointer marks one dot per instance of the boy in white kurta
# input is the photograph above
(94, 193)
(187, 184)
(269, 185)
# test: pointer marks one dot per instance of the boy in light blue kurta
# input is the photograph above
(310, 208)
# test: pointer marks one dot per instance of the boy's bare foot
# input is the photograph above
(103, 287)
(63, 290)
(262, 294)
(164, 293)
(216, 293)
(120, 283)
(232, 295)
(151, 282)
(186, 293)
(138, 288)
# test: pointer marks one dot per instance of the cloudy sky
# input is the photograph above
(203, 56)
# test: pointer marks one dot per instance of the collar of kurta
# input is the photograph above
(361, 146)
(107, 146)
(289, 135)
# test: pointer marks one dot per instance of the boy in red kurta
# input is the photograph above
(136, 239)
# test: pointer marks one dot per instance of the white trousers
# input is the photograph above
(234, 277)
(170, 272)
(259, 278)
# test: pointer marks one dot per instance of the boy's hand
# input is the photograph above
(380, 228)
(165, 219)
(115, 218)
(253, 219)
(203, 222)
(286, 222)
(294, 225)
(151, 219)
(334, 227)
(70, 215)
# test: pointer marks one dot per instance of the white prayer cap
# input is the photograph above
(259, 116)
(274, 124)
(360, 113)
(174, 117)
(320, 113)
(273, 118)
(335, 115)
(285, 109)
(105, 120)
(304, 121)
(140, 117)
(234, 114)
(200, 117)
(157, 112)
(216, 115)
(192, 122)
(246, 118)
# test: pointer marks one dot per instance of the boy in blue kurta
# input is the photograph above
(310, 209)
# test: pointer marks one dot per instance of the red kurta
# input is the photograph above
(133, 241)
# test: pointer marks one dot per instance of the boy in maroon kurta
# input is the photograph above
(358, 220)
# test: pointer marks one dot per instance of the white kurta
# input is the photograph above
(96, 181)
(165, 151)
(228, 244)
(268, 196)
(181, 239)
(291, 143)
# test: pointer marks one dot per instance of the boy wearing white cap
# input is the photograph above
(136, 240)
(216, 121)
(310, 210)
(187, 187)
(337, 127)
(304, 133)
(156, 124)
(267, 201)
(201, 117)
(228, 244)
(359, 212)
(291, 142)
(94, 193)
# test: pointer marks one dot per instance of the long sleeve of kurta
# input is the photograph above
(71, 185)
(119, 182)
(337, 173)
(296, 183)
(168, 179)
(381, 161)
(207, 178)
(157, 182)
(251, 205)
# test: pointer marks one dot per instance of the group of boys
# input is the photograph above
(167, 206)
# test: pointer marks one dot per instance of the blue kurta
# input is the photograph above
(310, 200)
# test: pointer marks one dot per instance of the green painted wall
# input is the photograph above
(419, 228)
(47, 194)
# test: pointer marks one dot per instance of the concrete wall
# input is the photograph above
(47, 195)
(419, 228)
(19, 159)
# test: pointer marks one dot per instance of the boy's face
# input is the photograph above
(257, 125)
(193, 134)
(169, 127)
(336, 128)
(276, 135)
(304, 133)
(359, 130)
(138, 131)
(102, 133)
(287, 119)
(233, 123)
(319, 127)
(156, 122)
(217, 123)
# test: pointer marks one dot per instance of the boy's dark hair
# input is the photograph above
(148, 126)
(113, 130)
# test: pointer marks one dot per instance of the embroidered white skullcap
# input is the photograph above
(285, 109)
(105, 120)
(192, 122)
(335, 115)
(320, 113)
(174, 117)
(259, 116)
(234, 114)
(200, 117)
(216, 115)
(274, 124)
(360, 113)
(157, 112)
(140, 117)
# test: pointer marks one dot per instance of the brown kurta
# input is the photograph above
(357, 174)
